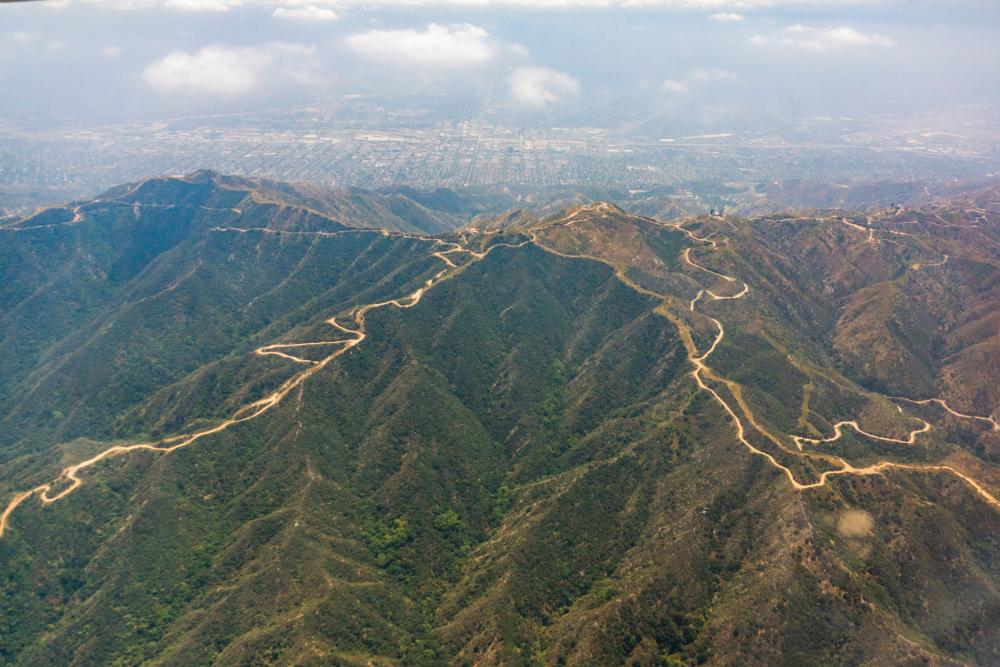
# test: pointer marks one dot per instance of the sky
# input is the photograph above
(600, 62)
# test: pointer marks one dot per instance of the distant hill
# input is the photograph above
(350, 207)
(582, 436)
(156, 261)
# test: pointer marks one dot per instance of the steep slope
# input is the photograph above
(403, 211)
(154, 281)
(915, 292)
(594, 438)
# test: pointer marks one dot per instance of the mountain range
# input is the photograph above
(245, 422)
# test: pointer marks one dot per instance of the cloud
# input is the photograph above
(436, 46)
(221, 70)
(203, 5)
(179, 5)
(111, 51)
(539, 87)
(306, 13)
(822, 39)
(847, 35)
(537, 3)
(710, 74)
(699, 76)
(725, 9)
(312, 10)
(31, 39)
(703, 5)
(20, 37)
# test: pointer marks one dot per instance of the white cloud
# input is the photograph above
(711, 74)
(306, 13)
(20, 37)
(541, 3)
(436, 46)
(179, 5)
(724, 9)
(111, 51)
(727, 17)
(703, 5)
(822, 39)
(316, 10)
(34, 40)
(222, 70)
(847, 35)
(203, 5)
(698, 76)
(539, 87)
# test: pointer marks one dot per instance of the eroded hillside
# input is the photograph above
(595, 438)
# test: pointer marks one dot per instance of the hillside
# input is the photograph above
(242, 425)
(167, 277)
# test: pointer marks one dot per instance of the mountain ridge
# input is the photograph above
(515, 464)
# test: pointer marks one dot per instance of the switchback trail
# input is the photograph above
(702, 371)
(954, 413)
(70, 476)
(19, 226)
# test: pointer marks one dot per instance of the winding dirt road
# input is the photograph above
(19, 226)
(702, 375)
(838, 431)
(70, 476)
(702, 371)
(954, 413)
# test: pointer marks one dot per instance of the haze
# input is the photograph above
(710, 63)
